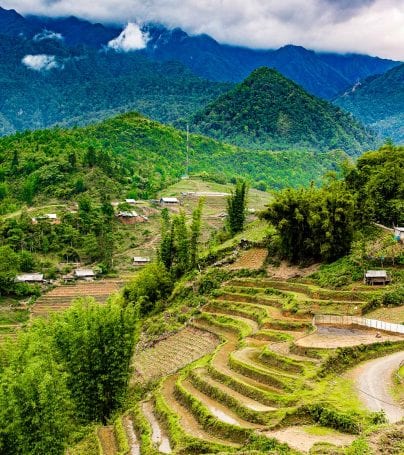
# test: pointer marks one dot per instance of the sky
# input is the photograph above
(374, 27)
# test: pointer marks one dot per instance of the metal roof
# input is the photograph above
(130, 201)
(376, 274)
(128, 214)
(169, 199)
(84, 272)
(141, 259)
(29, 277)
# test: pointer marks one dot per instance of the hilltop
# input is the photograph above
(269, 111)
(133, 156)
(378, 102)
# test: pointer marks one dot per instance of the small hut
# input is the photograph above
(373, 277)
(169, 201)
(399, 234)
(84, 274)
(141, 261)
(30, 278)
(131, 217)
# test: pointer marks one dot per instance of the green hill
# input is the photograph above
(379, 102)
(132, 155)
(269, 111)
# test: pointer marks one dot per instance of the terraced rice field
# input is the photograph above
(173, 353)
(254, 390)
(60, 298)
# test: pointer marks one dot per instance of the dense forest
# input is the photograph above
(132, 156)
(269, 111)
(379, 103)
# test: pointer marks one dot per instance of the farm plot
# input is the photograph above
(252, 259)
(62, 297)
(173, 353)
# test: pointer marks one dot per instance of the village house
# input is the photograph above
(131, 217)
(141, 261)
(399, 233)
(169, 201)
(30, 278)
(373, 277)
(84, 274)
(130, 201)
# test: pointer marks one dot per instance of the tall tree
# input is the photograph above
(236, 207)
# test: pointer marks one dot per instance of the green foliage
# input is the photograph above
(179, 243)
(313, 223)
(379, 102)
(149, 287)
(94, 344)
(269, 111)
(378, 181)
(236, 208)
(340, 273)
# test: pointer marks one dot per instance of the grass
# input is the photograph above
(13, 316)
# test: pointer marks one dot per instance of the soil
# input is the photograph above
(252, 259)
(335, 337)
(373, 380)
(299, 438)
(286, 271)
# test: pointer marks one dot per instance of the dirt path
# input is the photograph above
(107, 440)
(373, 379)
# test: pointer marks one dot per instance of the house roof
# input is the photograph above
(29, 277)
(84, 272)
(141, 259)
(130, 201)
(400, 229)
(376, 274)
(128, 214)
(169, 199)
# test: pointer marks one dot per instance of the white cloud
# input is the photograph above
(40, 62)
(48, 34)
(130, 39)
(375, 27)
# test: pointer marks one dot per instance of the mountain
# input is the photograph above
(269, 111)
(323, 74)
(379, 102)
(44, 82)
(132, 155)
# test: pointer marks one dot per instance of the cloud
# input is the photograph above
(375, 27)
(48, 34)
(40, 62)
(130, 39)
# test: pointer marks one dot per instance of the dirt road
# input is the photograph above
(373, 379)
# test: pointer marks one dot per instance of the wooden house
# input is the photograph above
(373, 277)
(51, 217)
(131, 217)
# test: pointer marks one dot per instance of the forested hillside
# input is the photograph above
(132, 155)
(269, 111)
(379, 102)
(84, 85)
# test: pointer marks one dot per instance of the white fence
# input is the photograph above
(330, 319)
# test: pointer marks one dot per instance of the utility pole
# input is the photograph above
(187, 159)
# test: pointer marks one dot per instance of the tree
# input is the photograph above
(236, 207)
(94, 344)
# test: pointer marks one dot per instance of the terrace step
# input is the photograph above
(107, 441)
(187, 420)
(159, 436)
(134, 445)
(218, 410)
